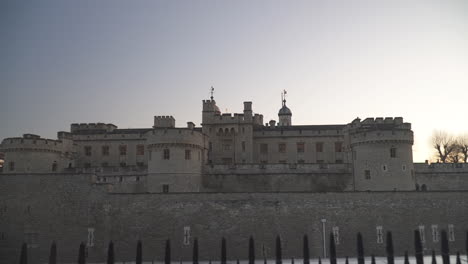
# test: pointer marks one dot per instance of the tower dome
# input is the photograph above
(284, 114)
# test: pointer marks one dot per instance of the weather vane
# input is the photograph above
(283, 97)
(212, 91)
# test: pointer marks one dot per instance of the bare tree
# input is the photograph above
(463, 147)
(444, 144)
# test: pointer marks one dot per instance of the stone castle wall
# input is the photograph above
(440, 176)
(63, 207)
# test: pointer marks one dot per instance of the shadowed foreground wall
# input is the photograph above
(63, 207)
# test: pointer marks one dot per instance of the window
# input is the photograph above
(422, 234)
(379, 230)
(186, 235)
(282, 161)
(210, 146)
(451, 233)
(264, 148)
(104, 164)
(319, 146)
(140, 164)
(384, 167)
(338, 146)
(281, 147)
(392, 152)
(31, 239)
(188, 154)
(140, 150)
(403, 167)
(339, 161)
(90, 241)
(336, 234)
(123, 150)
(11, 166)
(367, 174)
(165, 188)
(226, 146)
(87, 165)
(54, 166)
(227, 161)
(320, 161)
(435, 233)
(123, 164)
(87, 150)
(300, 147)
(166, 154)
(105, 150)
(301, 161)
(120, 179)
(243, 146)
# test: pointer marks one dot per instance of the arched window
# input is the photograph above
(423, 187)
(54, 166)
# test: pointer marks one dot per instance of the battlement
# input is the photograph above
(92, 127)
(380, 123)
(31, 141)
(164, 122)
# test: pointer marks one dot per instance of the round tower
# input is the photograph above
(33, 154)
(176, 157)
(381, 154)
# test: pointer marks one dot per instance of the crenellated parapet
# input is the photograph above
(91, 128)
(164, 122)
(379, 130)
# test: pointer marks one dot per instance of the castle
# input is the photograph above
(233, 177)
(372, 154)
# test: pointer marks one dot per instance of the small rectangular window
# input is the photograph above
(338, 146)
(123, 150)
(281, 147)
(87, 165)
(90, 240)
(319, 147)
(165, 188)
(166, 154)
(339, 161)
(32, 239)
(301, 161)
(320, 161)
(393, 153)
(367, 174)
(282, 161)
(336, 234)
(435, 233)
(186, 235)
(226, 146)
(104, 164)
(451, 233)
(87, 150)
(105, 150)
(140, 150)
(188, 154)
(300, 147)
(243, 146)
(422, 233)
(379, 230)
(264, 148)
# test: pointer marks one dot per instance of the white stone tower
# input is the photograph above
(381, 154)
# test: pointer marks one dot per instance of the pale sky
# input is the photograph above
(123, 62)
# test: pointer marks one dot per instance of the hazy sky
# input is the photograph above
(123, 62)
